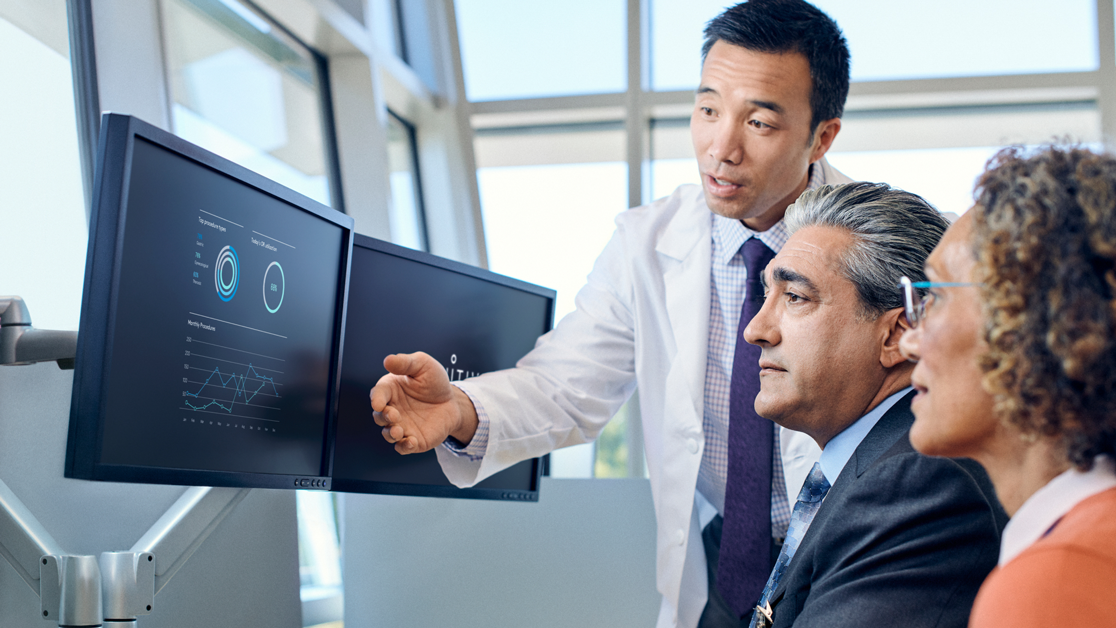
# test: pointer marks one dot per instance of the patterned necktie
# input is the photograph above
(746, 536)
(809, 500)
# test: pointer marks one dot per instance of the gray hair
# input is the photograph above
(893, 233)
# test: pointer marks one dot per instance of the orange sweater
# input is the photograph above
(1067, 578)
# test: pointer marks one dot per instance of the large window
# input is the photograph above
(952, 38)
(246, 90)
(44, 235)
(676, 37)
(937, 88)
(408, 222)
(907, 40)
(517, 49)
(549, 196)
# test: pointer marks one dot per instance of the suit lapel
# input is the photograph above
(893, 425)
(889, 429)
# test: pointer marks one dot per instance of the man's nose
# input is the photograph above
(762, 330)
(728, 144)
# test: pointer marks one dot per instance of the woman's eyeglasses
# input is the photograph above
(915, 303)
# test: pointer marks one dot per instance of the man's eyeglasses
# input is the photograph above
(915, 303)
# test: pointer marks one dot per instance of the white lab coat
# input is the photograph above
(642, 317)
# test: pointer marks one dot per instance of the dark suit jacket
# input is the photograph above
(902, 539)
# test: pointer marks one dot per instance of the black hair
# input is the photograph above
(781, 26)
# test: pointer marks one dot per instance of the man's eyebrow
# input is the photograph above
(786, 275)
(762, 104)
(766, 104)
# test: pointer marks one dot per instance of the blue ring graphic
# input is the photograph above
(227, 290)
(282, 294)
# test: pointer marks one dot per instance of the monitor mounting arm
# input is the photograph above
(20, 343)
(112, 590)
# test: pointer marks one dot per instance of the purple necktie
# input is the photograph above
(745, 559)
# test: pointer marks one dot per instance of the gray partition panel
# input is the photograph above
(246, 573)
(584, 555)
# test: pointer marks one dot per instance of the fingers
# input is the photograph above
(408, 382)
(388, 417)
(380, 395)
(408, 445)
(410, 364)
(383, 419)
(403, 444)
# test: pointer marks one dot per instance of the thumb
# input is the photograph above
(409, 364)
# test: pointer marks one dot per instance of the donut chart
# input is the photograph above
(227, 258)
(274, 287)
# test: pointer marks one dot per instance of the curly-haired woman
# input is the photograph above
(1015, 338)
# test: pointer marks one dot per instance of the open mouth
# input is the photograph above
(721, 186)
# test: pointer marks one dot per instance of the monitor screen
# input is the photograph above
(212, 321)
(471, 320)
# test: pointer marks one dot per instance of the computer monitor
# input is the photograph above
(212, 321)
(471, 320)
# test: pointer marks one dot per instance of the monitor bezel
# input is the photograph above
(348, 485)
(99, 308)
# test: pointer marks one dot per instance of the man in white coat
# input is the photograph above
(661, 307)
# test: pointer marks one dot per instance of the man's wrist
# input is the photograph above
(468, 420)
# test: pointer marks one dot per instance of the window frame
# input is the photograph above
(640, 108)
(420, 203)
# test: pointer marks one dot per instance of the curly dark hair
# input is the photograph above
(1045, 244)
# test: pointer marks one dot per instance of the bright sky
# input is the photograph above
(515, 49)
(42, 242)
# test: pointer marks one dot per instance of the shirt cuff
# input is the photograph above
(475, 449)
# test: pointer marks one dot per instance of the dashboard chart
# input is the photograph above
(225, 331)
(242, 391)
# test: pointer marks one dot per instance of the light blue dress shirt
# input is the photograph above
(841, 447)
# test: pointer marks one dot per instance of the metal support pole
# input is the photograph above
(71, 590)
(80, 591)
(128, 587)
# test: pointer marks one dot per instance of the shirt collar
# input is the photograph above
(730, 234)
(1050, 503)
(841, 447)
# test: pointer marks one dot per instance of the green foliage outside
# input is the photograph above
(612, 448)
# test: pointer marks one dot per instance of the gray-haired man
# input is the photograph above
(881, 535)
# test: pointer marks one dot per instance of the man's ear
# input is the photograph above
(823, 137)
(893, 324)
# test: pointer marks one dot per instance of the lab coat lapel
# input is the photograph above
(685, 253)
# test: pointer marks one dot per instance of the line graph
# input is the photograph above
(242, 389)
(241, 381)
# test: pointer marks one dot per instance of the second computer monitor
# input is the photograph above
(471, 320)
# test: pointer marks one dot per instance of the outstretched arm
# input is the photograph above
(417, 406)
